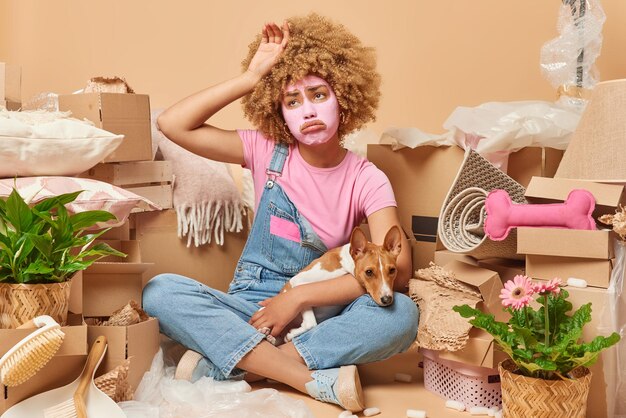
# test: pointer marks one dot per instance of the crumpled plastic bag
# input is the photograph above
(159, 395)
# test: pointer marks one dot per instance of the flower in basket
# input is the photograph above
(543, 343)
(44, 243)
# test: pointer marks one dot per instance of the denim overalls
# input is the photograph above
(215, 323)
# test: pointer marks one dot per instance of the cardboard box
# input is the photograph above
(134, 173)
(121, 232)
(139, 343)
(480, 347)
(10, 84)
(160, 195)
(76, 293)
(596, 272)
(480, 350)
(9, 105)
(213, 265)
(421, 178)
(149, 179)
(62, 369)
(507, 269)
(443, 257)
(109, 285)
(547, 190)
(487, 282)
(533, 161)
(119, 113)
(566, 242)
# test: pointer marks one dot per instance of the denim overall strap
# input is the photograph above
(279, 156)
(281, 242)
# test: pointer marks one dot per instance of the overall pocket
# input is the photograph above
(282, 242)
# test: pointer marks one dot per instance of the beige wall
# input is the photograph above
(433, 55)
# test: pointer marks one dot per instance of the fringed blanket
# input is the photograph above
(206, 199)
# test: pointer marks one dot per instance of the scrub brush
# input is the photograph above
(33, 352)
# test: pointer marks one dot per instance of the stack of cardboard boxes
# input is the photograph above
(587, 255)
(130, 166)
(110, 283)
(421, 178)
(10, 86)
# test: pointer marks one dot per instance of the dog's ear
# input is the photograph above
(393, 241)
(358, 241)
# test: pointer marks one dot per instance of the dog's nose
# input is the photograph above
(386, 300)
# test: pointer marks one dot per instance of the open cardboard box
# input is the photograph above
(138, 342)
(596, 272)
(480, 348)
(120, 113)
(109, 285)
(443, 257)
(548, 190)
(506, 268)
(62, 369)
(533, 161)
(421, 178)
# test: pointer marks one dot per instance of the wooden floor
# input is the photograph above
(381, 391)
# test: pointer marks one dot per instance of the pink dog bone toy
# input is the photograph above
(503, 214)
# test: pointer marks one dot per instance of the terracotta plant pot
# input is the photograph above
(20, 303)
(525, 397)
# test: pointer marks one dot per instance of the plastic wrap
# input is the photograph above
(496, 129)
(159, 395)
(614, 320)
(43, 101)
(568, 60)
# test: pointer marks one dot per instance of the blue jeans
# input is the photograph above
(215, 323)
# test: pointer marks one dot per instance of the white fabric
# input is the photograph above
(40, 143)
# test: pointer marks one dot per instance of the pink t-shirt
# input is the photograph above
(334, 200)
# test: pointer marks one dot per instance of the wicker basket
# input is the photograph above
(524, 397)
(20, 303)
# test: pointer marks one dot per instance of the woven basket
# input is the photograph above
(463, 212)
(524, 397)
(19, 303)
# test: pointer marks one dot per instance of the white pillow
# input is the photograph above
(39, 143)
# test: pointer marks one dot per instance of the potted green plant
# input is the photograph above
(41, 247)
(547, 372)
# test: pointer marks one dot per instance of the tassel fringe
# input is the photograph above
(207, 221)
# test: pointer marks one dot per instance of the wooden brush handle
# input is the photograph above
(95, 354)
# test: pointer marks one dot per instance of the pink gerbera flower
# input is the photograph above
(517, 292)
(553, 286)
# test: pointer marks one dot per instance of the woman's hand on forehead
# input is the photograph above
(273, 42)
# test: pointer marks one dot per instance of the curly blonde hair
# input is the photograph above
(319, 47)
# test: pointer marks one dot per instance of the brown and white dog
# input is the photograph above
(374, 266)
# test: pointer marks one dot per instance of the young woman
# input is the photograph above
(305, 86)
